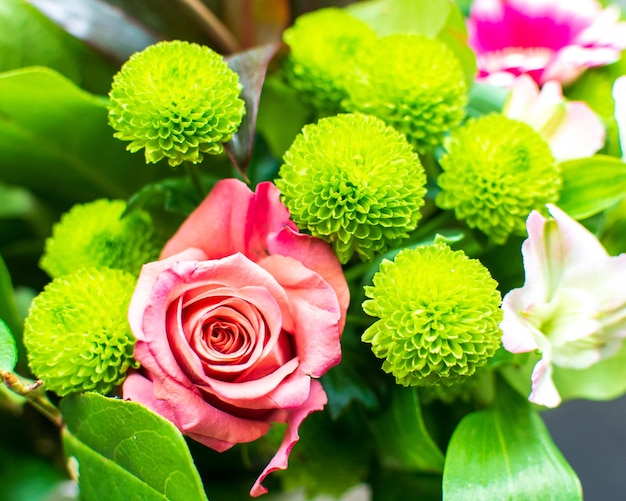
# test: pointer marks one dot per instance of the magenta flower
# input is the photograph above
(572, 307)
(571, 128)
(546, 39)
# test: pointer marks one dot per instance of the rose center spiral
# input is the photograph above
(224, 337)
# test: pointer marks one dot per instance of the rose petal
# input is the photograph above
(217, 225)
(316, 313)
(194, 417)
(251, 393)
(315, 402)
(232, 219)
(316, 255)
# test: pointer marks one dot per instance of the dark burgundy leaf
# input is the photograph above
(104, 27)
(251, 66)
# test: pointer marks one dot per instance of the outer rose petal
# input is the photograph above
(142, 297)
(232, 219)
(316, 255)
(184, 407)
(316, 401)
(315, 310)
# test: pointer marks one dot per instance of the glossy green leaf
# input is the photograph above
(591, 185)
(403, 441)
(28, 38)
(506, 452)
(124, 451)
(55, 135)
(435, 19)
(8, 349)
(604, 380)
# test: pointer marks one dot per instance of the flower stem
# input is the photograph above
(212, 25)
(34, 394)
(194, 176)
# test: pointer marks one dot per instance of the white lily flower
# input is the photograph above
(572, 307)
(571, 128)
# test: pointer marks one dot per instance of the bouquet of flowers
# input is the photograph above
(310, 248)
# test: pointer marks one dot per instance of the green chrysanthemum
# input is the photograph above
(412, 82)
(97, 234)
(323, 44)
(438, 315)
(355, 182)
(77, 333)
(496, 171)
(177, 100)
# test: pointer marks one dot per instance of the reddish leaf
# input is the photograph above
(106, 28)
(251, 66)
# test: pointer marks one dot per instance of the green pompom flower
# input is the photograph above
(495, 172)
(177, 100)
(438, 313)
(77, 332)
(98, 234)
(413, 83)
(354, 182)
(323, 44)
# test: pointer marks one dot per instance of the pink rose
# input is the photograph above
(235, 321)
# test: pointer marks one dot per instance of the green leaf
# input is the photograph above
(8, 349)
(604, 380)
(387, 17)
(28, 38)
(403, 441)
(8, 307)
(53, 134)
(591, 185)
(124, 451)
(278, 100)
(486, 98)
(506, 452)
(440, 19)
